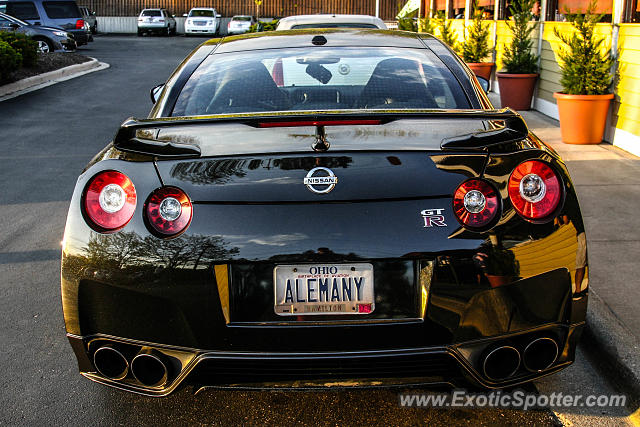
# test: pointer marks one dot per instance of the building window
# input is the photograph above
(631, 11)
(557, 9)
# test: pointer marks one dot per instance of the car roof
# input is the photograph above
(334, 38)
(291, 21)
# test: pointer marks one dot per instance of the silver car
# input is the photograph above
(330, 21)
(159, 21)
(240, 24)
(49, 39)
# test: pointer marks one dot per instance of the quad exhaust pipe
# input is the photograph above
(540, 354)
(504, 361)
(150, 369)
(110, 363)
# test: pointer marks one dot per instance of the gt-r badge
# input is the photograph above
(433, 217)
(322, 177)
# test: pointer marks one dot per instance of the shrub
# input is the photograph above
(10, 60)
(585, 61)
(426, 26)
(24, 45)
(447, 34)
(476, 44)
(263, 26)
(518, 58)
(408, 24)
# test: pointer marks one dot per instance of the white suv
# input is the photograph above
(156, 21)
(202, 20)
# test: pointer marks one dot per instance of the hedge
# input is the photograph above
(24, 45)
(10, 60)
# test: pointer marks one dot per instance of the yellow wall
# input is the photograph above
(627, 106)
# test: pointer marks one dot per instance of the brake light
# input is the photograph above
(79, 24)
(476, 203)
(168, 211)
(278, 73)
(318, 123)
(160, 20)
(109, 201)
(534, 190)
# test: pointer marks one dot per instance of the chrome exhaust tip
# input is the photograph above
(110, 363)
(149, 369)
(540, 354)
(501, 363)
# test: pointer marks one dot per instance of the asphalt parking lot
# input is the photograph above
(48, 137)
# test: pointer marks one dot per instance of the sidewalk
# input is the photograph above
(607, 181)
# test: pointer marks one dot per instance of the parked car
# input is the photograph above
(202, 20)
(49, 39)
(330, 21)
(159, 21)
(63, 14)
(240, 24)
(384, 230)
(90, 18)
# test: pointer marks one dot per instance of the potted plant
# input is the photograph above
(447, 33)
(475, 48)
(585, 64)
(521, 65)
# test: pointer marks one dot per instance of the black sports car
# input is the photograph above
(323, 208)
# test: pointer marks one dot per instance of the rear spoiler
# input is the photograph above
(512, 128)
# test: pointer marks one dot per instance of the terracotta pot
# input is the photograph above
(516, 90)
(482, 69)
(582, 117)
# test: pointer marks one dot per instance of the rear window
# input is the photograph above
(23, 10)
(241, 18)
(151, 13)
(319, 79)
(333, 25)
(61, 9)
(203, 13)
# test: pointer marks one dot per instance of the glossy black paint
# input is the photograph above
(204, 300)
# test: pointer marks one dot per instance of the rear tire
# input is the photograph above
(140, 33)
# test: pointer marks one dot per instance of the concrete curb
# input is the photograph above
(40, 81)
(608, 339)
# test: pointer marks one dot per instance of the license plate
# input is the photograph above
(200, 22)
(311, 289)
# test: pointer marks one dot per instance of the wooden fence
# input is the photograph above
(269, 8)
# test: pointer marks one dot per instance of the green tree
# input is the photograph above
(447, 34)
(476, 44)
(518, 58)
(426, 26)
(585, 60)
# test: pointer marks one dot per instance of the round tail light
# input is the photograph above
(534, 190)
(476, 203)
(168, 211)
(109, 201)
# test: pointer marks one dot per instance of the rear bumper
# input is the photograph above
(81, 37)
(451, 366)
